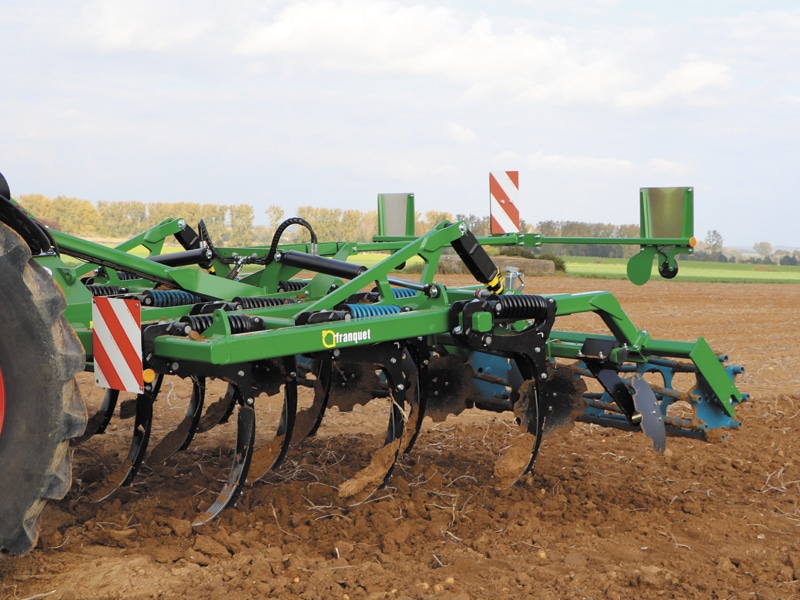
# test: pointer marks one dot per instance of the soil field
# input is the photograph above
(603, 516)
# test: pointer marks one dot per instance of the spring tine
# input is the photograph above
(417, 361)
(126, 472)
(404, 424)
(520, 457)
(99, 421)
(270, 456)
(309, 419)
(245, 438)
(219, 411)
(180, 438)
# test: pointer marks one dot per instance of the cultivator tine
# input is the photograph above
(309, 419)
(143, 423)
(270, 456)
(406, 415)
(415, 367)
(245, 438)
(179, 439)
(99, 421)
(520, 457)
(219, 411)
(545, 407)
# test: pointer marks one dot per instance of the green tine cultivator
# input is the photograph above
(268, 321)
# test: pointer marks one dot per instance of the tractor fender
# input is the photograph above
(12, 214)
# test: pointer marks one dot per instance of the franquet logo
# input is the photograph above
(331, 338)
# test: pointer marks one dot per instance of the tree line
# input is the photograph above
(82, 218)
(713, 249)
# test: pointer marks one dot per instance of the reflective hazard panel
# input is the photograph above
(503, 196)
(117, 344)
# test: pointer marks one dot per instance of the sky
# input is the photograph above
(330, 102)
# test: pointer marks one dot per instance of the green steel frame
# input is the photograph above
(427, 314)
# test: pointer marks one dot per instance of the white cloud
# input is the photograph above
(695, 82)
(516, 60)
(584, 166)
(508, 60)
(461, 134)
(147, 25)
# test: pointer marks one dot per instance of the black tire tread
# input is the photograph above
(34, 444)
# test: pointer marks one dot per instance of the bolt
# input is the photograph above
(457, 330)
(293, 375)
(393, 360)
(537, 349)
(400, 387)
(174, 366)
(240, 373)
(250, 402)
(487, 340)
(543, 376)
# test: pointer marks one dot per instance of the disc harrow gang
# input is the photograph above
(269, 321)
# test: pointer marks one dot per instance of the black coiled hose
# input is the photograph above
(273, 249)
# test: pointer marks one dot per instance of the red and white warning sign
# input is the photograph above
(117, 344)
(503, 196)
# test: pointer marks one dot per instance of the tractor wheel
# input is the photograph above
(40, 404)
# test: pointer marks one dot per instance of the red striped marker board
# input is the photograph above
(117, 344)
(503, 196)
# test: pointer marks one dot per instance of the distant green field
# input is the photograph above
(615, 268)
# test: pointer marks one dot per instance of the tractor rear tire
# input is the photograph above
(40, 404)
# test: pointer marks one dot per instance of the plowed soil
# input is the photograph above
(603, 516)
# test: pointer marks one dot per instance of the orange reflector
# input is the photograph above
(148, 375)
(692, 242)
